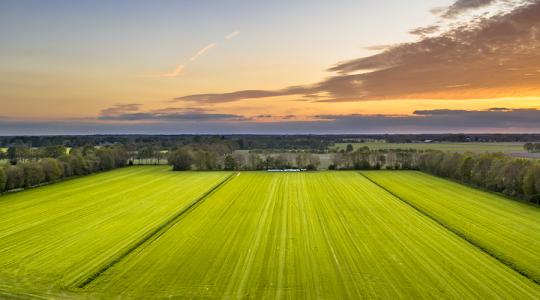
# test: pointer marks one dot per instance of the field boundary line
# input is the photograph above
(152, 235)
(455, 232)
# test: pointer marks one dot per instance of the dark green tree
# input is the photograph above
(147, 153)
(15, 178)
(229, 163)
(12, 155)
(181, 160)
(33, 174)
(54, 151)
(531, 183)
(465, 168)
(106, 159)
(52, 169)
(3, 180)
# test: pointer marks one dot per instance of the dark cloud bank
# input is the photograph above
(487, 58)
(422, 121)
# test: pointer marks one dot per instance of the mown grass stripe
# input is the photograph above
(154, 234)
(486, 250)
(109, 194)
(327, 235)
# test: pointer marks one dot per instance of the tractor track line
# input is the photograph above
(452, 230)
(153, 234)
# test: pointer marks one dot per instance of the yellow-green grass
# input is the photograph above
(328, 235)
(55, 235)
(453, 147)
(507, 229)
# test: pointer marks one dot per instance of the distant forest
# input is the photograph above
(248, 142)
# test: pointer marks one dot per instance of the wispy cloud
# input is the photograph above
(202, 51)
(175, 73)
(132, 112)
(232, 35)
(180, 68)
(120, 109)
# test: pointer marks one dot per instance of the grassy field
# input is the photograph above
(135, 233)
(507, 229)
(455, 147)
(310, 235)
(55, 235)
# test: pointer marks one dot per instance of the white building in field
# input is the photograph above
(286, 170)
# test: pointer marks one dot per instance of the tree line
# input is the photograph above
(250, 142)
(30, 167)
(515, 177)
(27, 167)
(208, 159)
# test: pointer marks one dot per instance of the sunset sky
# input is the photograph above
(239, 66)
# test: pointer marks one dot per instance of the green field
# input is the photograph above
(134, 233)
(507, 229)
(55, 235)
(454, 147)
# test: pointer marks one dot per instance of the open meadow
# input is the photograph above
(147, 232)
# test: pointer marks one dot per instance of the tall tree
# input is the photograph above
(255, 161)
(229, 163)
(52, 169)
(12, 155)
(465, 167)
(531, 183)
(181, 160)
(33, 174)
(147, 153)
(3, 179)
(15, 178)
